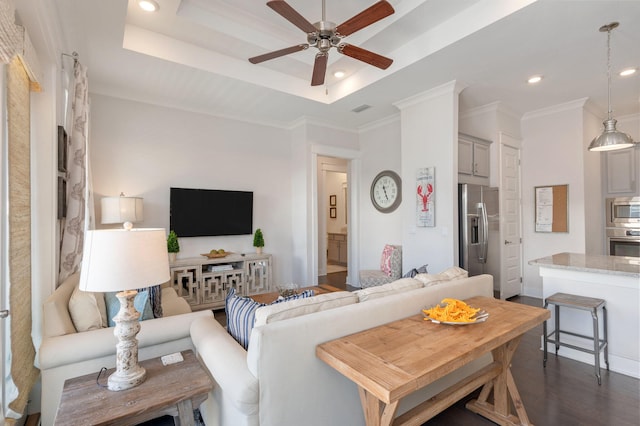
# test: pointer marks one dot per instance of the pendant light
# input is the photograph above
(610, 139)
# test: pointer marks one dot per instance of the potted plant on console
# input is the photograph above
(258, 241)
(173, 247)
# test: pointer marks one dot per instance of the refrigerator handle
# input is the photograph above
(484, 242)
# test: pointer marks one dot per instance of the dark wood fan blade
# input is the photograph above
(277, 53)
(289, 13)
(319, 69)
(378, 11)
(365, 56)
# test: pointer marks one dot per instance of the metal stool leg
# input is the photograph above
(557, 331)
(596, 342)
(544, 339)
(606, 338)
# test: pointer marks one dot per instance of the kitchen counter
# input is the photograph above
(611, 265)
(616, 279)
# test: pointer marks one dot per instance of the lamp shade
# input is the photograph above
(611, 139)
(121, 209)
(119, 259)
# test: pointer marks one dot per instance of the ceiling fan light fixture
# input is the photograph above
(338, 74)
(148, 5)
(610, 139)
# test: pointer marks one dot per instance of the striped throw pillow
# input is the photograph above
(241, 313)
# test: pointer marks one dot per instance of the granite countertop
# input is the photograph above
(613, 265)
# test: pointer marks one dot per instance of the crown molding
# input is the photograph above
(554, 109)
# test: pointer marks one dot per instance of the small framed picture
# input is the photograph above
(62, 149)
(62, 197)
(332, 200)
(333, 213)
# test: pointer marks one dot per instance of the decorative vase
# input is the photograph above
(172, 257)
(259, 250)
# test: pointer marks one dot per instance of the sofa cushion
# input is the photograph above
(241, 311)
(84, 310)
(296, 308)
(398, 286)
(140, 302)
(449, 274)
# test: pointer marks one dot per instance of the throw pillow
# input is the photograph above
(155, 299)
(241, 312)
(84, 310)
(140, 302)
(385, 260)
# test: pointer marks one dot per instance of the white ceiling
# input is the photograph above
(192, 54)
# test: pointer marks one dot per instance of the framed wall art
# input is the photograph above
(425, 201)
(332, 200)
(63, 142)
(333, 213)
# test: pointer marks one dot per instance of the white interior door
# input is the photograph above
(510, 211)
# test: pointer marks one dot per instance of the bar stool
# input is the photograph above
(586, 304)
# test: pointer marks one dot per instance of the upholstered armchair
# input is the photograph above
(390, 268)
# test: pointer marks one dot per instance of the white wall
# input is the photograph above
(143, 150)
(553, 153)
(335, 184)
(380, 150)
(429, 133)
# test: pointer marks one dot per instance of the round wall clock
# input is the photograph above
(386, 191)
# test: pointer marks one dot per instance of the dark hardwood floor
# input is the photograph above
(565, 393)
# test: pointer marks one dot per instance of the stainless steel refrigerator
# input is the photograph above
(479, 230)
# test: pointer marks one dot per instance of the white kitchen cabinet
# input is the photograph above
(473, 156)
(622, 171)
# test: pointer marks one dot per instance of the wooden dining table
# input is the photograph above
(393, 360)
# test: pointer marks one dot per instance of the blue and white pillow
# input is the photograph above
(241, 313)
(140, 302)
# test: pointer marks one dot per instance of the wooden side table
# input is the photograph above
(168, 390)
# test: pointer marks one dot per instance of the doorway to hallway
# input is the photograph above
(333, 235)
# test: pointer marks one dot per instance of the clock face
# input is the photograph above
(386, 191)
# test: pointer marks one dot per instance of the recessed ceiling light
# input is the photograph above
(338, 74)
(148, 5)
(627, 72)
(534, 79)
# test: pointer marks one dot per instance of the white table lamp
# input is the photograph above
(121, 209)
(124, 260)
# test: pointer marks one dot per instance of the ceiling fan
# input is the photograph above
(324, 35)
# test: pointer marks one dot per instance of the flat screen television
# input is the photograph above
(210, 212)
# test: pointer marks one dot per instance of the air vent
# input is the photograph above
(361, 108)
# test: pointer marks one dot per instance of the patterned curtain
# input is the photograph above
(78, 194)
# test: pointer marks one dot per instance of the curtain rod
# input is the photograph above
(73, 55)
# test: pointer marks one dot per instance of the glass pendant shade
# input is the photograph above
(611, 139)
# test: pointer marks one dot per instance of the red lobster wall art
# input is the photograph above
(425, 197)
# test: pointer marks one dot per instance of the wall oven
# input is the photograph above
(623, 226)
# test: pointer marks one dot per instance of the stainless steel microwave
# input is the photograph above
(623, 212)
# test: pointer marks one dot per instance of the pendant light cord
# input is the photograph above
(609, 72)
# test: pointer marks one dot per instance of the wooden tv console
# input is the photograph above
(204, 282)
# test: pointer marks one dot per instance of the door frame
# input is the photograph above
(353, 173)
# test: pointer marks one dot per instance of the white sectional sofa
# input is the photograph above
(279, 381)
(66, 353)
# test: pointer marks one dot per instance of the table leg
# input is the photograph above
(376, 412)
(185, 413)
(504, 387)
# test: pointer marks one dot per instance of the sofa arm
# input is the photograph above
(77, 347)
(226, 361)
